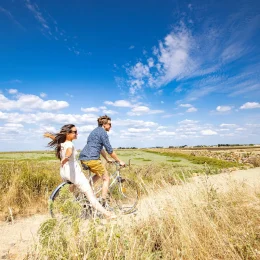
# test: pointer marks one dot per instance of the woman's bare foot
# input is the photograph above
(110, 215)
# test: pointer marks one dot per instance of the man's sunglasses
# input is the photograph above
(75, 132)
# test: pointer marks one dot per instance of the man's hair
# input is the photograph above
(103, 120)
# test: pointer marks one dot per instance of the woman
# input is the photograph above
(70, 169)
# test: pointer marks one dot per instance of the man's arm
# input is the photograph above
(114, 156)
(109, 149)
(103, 153)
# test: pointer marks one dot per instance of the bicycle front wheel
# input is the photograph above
(64, 203)
(126, 194)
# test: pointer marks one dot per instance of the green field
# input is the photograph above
(34, 155)
(132, 157)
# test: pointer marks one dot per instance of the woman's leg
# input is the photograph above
(83, 184)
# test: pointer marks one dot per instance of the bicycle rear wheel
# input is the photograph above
(65, 204)
(125, 194)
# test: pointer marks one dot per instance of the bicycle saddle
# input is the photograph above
(84, 166)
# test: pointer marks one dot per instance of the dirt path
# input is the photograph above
(16, 238)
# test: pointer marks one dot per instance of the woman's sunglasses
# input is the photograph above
(75, 132)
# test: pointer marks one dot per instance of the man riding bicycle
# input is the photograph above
(90, 154)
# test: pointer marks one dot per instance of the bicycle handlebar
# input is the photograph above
(118, 164)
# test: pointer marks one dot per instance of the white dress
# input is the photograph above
(71, 170)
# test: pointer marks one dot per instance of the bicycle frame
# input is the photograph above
(114, 177)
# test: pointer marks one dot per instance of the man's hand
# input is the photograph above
(109, 161)
(121, 163)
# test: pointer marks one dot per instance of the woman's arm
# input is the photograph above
(68, 153)
(48, 135)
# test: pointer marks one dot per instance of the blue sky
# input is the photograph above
(167, 72)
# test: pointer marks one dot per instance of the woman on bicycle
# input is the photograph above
(69, 168)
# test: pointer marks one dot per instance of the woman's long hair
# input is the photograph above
(60, 138)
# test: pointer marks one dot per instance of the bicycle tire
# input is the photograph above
(125, 193)
(64, 204)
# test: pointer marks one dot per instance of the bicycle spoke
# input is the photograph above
(126, 195)
(66, 204)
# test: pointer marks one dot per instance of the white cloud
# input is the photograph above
(150, 62)
(228, 125)
(223, 108)
(12, 91)
(90, 109)
(69, 95)
(47, 128)
(43, 95)
(11, 17)
(185, 105)
(192, 109)
(250, 105)
(37, 14)
(188, 122)
(35, 118)
(208, 132)
(141, 110)
(109, 112)
(138, 130)
(131, 47)
(13, 125)
(30, 102)
(132, 123)
(167, 116)
(166, 133)
(119, 103)
(159, 92)
(161, 127)
(86, 128)
(171, 60)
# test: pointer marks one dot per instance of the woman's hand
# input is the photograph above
(64, 161)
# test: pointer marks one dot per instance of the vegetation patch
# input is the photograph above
(212, 162)
(174, 160)
(25, 186)
(204, 225)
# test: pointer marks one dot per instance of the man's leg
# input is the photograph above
(95, 178)
(105, 186)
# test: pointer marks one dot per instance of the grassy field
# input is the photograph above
(36, 155)
(27, 178)
(175, 223)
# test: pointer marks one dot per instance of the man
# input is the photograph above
(90, 155)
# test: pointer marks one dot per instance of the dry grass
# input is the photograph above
(177, 222)
(25, 187)
(255, 161)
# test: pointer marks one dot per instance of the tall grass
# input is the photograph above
(181, 222)
(25, 186)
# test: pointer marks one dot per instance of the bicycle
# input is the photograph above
(123, 196)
